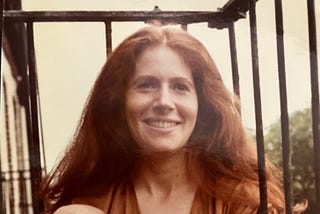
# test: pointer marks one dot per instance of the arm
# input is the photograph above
(78, 209)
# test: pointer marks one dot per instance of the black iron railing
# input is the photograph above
(222, 19)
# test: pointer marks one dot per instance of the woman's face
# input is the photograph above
(161, 101)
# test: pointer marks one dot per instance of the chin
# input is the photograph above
(162, 151)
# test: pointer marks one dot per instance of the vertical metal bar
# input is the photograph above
(108, 38)
(234, 59)
(2, 204)
(34, 145)
(1, 31)
(286, 145)
(314, 96)
(258, 111)
(26, 104)
(184, 27)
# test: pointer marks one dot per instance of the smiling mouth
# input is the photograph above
(161, 124)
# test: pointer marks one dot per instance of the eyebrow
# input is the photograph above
(142, 77)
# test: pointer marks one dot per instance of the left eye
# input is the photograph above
(181, 87)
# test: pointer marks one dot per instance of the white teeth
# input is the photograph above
(162, 124)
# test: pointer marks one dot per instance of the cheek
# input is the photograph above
(135, 107)
(191, 109)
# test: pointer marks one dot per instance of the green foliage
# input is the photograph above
(300, 128)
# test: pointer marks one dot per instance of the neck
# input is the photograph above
(163, 173)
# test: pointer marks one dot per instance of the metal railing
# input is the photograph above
(222, 19)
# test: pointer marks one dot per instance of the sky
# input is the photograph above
(70, 55)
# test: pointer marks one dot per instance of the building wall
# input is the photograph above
(13, 145)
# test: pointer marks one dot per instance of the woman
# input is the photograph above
(160, 133)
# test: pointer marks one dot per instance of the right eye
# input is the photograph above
(146, 85)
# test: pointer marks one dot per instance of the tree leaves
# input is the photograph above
(300, 127)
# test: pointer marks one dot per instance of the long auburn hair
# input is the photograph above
(103, 152)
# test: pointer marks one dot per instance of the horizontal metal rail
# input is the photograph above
(179, 17)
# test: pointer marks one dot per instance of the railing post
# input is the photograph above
(108, 37)
(33, 141)
(2, 204)
(258, 109)
(286, 145)
(184, 27)
(234, 59)
(314, 96)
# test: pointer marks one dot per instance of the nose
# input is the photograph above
(164, 101)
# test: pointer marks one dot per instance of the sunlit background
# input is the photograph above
(70, 56)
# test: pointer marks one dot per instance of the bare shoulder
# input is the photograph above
(78, 209)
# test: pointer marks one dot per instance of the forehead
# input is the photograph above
(161, 61)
